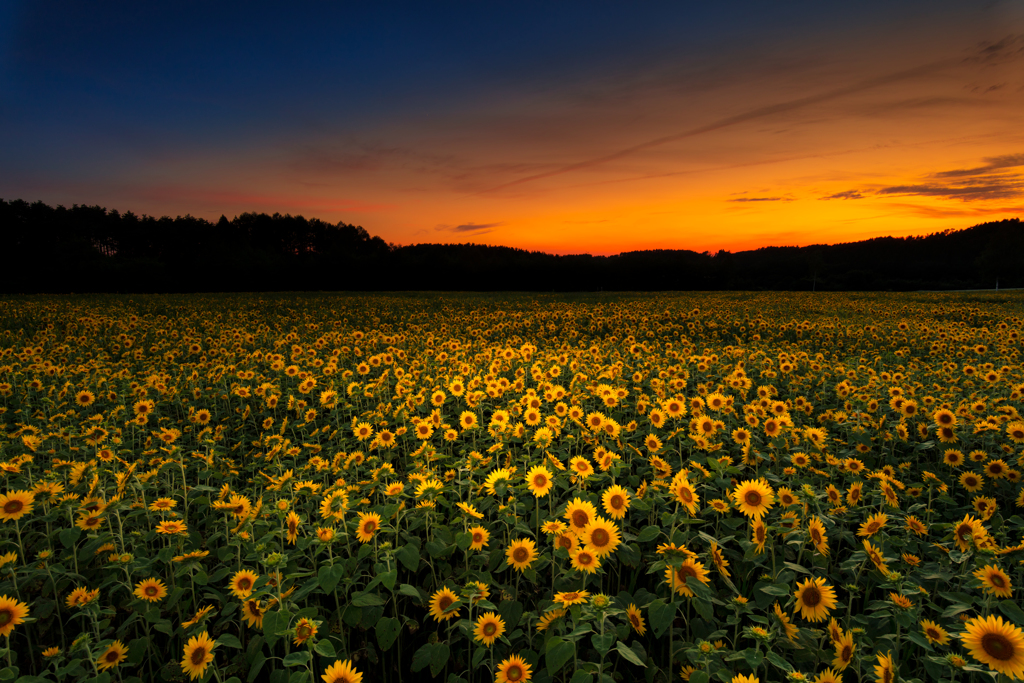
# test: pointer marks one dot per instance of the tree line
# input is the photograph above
(93, 249)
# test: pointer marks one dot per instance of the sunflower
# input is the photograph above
(369, 523)
(788, 627)
(12, 613)
(601, 537)
(513, 670)
(829, 676)
(172, 528)
(718, 557)
(553, 527)
(151, 590)
(521, 554)
(967, 529)
(884, 669)
(754, 498)
(342, 672)
(572, 598)
(568, 541)
(636, 619)
(676, 577)
(874, 554)
(198, 616)
(292, 523)
(995, 581)
(114, 655)
(585, 560)
(581, 466)
(759, 534)
(901, 600)
(198, 655)
(615, 502)
(972, 481)
(304, 630)
(252, 612)
(15, 505)
(912, 523)
(815, 598)
(479, 538)
(440, 602)
(242, 583)
(545, 620)
(489, 627)
(873, 525)
(997, 643)
(499, 475)
(787, 497)
(685, 493)
(844, 651)
(934, 633)
(580, 513)
(538, 480)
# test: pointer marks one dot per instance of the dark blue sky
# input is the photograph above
(507, 122)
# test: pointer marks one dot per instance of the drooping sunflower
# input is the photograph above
(934, 633)
(788, 627)
(15, 505)
(198, 655)
(600, 537)
(718, 557)
(441, 601)
(829, 676)
(844, 651)
(568, 598)
(513, 670)
(676, 577)
(636, 619)
(114, 655)
(292, 524)
(615, 502)
(521, 554)
(242, 583)
(489, 627)
(754, 498)
(995, 581)
(580, 513)
(151, 590)
(876, 556)
(252, 612)
(538, 480)
(479, 538)
(815, 598)
(342, 672)
(495, 477)
(12, 613)
(885, 669)
(758, 535)
(369, 523)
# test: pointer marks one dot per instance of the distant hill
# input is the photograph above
(92, 249)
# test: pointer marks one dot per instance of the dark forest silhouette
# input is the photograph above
(91, 249)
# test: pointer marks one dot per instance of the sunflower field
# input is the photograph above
(511, 488)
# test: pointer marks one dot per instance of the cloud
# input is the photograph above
(947, 212)
(761, 199)
(476, 228)
(991, 164)
(1002, 188)
(849, 194)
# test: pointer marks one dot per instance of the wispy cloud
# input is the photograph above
(761, 199)
(476, 228)
(849, 194)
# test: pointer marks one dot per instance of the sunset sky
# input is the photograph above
(564, 127)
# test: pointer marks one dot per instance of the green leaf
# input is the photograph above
(421, 658)
(228, 640)
(330, 576)
(463, 540)
(297, 658)
(754, 658)
(629, 654)
(778, 661)
(699, 677)
(917, 638)
(776, 589)
(325, 648)
(1012, 610)
(648, 533)
(558, 652)
(69, 537)
(439, 658)
(256, 666)
(662, 615)
(581, 677)
(387, 631)
(407, 589)
(366, 600)
(511, 612)
(409, 555)
(389, 579)
(602, 642)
